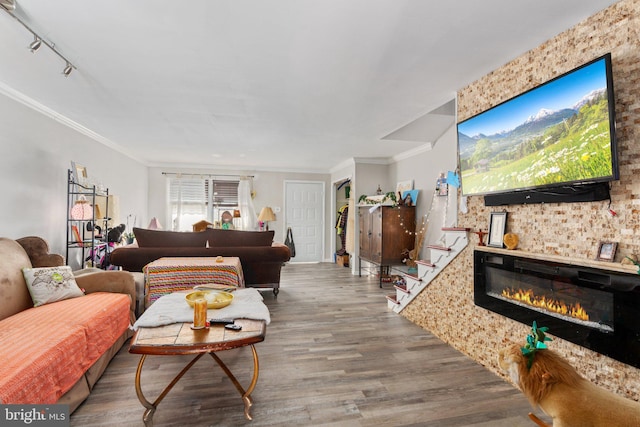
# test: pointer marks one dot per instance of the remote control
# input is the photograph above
(221, 321)
(233, 327)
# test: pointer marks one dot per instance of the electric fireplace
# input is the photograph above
(595, 308)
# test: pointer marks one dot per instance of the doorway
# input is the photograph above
(304, 213)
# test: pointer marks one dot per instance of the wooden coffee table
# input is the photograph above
(180, 339)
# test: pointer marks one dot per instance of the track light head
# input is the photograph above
(67, 70)
(35, 44)
(8, 4)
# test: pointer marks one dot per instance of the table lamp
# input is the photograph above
(154, 224)
(266, 215)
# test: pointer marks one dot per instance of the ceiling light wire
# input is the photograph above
(9, 6)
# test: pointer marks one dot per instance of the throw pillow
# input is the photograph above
(169, 239)
(219, 238)
(50, 284)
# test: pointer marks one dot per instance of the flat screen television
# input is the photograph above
(557, 136)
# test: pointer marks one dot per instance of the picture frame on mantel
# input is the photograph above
(607, 251)
(497, 228)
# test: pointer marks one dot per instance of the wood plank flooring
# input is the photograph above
(334, 356)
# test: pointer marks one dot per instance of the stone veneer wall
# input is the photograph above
(446, 307)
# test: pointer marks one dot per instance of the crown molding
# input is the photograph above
(342, 165)
(373, 160)
(413, 152)
(229, 167)
(64, 120)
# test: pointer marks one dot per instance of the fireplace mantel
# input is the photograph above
(582, 262)
(591, 303)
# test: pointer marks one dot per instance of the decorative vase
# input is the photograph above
(511, 240)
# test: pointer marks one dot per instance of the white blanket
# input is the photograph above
(173, 308)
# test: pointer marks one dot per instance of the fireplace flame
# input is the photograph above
(556, 306)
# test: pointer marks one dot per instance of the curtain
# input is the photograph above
(248, 216)
(187, 202)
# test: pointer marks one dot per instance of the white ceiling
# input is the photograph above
(266, 84)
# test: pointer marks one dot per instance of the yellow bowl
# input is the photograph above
(214, 299)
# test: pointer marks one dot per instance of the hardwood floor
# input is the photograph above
(333, 356)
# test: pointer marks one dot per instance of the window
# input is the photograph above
(196, 199)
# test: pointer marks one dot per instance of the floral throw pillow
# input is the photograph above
(50, 284)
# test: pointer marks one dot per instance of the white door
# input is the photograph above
(304, 213)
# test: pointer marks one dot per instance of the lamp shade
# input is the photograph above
(266, 215)
(81, 210)
(154, 224)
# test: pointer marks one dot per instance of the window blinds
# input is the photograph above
(224, 194)
(193, 199)
(189, 196)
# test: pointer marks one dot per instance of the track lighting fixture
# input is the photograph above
(9, 6)
(35, 44)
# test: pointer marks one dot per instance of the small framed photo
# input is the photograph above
(410, 197)
(606, 251)
(403, 186)
(497, 228)
(79, 173)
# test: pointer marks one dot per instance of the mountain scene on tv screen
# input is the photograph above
(566, 145)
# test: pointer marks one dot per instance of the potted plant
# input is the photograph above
(129, 237)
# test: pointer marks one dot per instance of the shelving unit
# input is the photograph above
(79, 236)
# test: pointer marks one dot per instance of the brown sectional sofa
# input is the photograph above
(261, 258)
(56, 352)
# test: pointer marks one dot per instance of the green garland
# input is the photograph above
(636, 263)
(388, 196)
(535, 341)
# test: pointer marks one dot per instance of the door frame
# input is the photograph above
(333, 240)
(323, 215)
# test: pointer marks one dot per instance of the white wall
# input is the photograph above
(369, 175)
(424, 170)
(35, 153)
(268, 186)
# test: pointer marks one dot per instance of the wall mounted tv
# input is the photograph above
(554, 143)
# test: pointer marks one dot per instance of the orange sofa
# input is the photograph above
(56, 352)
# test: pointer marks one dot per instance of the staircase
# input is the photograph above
(455, 240)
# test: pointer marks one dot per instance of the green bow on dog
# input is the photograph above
(535, 341)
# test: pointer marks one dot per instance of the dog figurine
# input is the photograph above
(551, 383)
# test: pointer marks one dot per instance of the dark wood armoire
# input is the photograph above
(385, 233)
